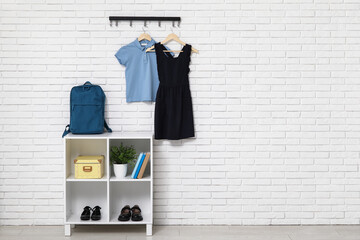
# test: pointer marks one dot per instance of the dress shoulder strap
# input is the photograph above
(156, 46)
(187, 51)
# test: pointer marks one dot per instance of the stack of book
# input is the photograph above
(140, 165)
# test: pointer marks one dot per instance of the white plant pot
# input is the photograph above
(120, 170)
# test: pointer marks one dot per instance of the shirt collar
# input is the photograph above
(143, 48)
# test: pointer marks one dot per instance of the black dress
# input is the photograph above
(173, 109)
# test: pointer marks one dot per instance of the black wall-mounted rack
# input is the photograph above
(145, 19)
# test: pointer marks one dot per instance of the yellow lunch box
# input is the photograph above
(89, 167)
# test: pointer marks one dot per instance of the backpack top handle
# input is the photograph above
(87, 85)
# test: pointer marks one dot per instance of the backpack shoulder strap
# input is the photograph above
(107, 127)
(66, 131)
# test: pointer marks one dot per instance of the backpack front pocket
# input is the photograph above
(87, 118)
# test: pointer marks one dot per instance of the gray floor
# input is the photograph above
(349, 232)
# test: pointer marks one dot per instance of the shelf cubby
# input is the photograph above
(109, 192)
(130, 193)
(83, 146)
(140, 145)
(81, 194)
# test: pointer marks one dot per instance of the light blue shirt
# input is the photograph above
(142, 80)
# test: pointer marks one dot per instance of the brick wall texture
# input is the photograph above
(276, 97)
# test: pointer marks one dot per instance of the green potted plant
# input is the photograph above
(120, 157)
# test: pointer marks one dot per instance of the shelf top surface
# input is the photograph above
(116, 135)
(129, 179)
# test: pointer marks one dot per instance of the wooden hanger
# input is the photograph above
(170, 37)
(144, 36)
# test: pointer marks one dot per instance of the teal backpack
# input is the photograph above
(87, 107)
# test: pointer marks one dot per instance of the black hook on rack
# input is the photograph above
(145, 19)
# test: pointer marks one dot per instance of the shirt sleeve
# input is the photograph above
(122, 56)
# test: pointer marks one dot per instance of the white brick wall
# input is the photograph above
(276, 96)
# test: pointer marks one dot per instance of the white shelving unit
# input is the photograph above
(110, 193)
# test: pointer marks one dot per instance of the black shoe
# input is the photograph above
(125, 214)
(136, 213)
(96, 215)
(85, 215)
